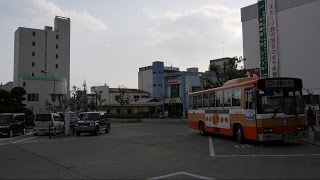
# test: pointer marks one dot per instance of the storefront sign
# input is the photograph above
(272, 38)
(262, 38)
(173, 80)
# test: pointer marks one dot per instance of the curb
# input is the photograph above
(310, 141)
(126, 120)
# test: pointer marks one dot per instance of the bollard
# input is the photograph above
(67, 124)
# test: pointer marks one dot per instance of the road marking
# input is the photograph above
(178, 173)
(249, 146)
(236, 146)
(14, 142)
(23, 140)
(242, 146)
(266, 155)
(211, 148)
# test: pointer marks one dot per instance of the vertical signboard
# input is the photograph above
(263, 38)
(272, 38)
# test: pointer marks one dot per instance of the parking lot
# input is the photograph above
(154, 149)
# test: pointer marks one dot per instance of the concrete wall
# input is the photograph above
(145, 81)
(298, 40)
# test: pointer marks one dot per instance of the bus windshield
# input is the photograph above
(285, 101)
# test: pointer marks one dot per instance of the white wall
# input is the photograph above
(145, 81)
(298, 43)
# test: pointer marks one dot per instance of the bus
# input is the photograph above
(259, 109)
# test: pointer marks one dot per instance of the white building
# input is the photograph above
(42, 64)
(150, 78)
(295, 40)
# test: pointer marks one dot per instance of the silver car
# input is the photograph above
(46, 123)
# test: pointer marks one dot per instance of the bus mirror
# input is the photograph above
(260, 91)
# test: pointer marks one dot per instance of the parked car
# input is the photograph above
(73, 117)
(12, 123)
(92, 122)
(46, 123)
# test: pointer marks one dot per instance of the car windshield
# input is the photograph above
(43, 117)
(281, 101)
(5, 119)
(90, 116)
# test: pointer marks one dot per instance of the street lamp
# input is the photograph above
(54, 87)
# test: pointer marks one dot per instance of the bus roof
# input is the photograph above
(231, 83)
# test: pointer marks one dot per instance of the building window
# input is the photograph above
(32, 74)
(33, 64)
(154, 85)
(24, 84)
(57, 46)
(33, 43)
(33, 53)
(57, 56)
(33, 97)
(57, 36)
(159, 85)
(33, 33)
(56, 66)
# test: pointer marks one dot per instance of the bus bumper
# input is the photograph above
(278, 137)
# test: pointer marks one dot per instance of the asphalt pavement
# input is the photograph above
(154, 149)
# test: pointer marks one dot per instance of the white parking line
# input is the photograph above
(178, 173)
(236, 146)
(23, 140)
(211, 148)
(249, 146)
(266, 155)
(14, 142)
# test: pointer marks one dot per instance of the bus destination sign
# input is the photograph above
(273, 83)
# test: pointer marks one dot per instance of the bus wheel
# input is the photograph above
(202, 129)
(240, 136)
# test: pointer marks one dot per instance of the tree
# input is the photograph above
(122, 99)
(228, 71)
(17, 95)
(5, 101)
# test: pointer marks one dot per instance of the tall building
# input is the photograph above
(281, 38)
(42, 65)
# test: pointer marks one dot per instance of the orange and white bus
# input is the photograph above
(261, 109)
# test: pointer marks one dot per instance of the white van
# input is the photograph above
(48, 123)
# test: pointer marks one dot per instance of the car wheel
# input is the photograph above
(96, 131)
(108, 128)
(55, 132)
(35, 134)
(202, 129)
(240, 136)
(78, 133)
(23, 131)
(10, 134)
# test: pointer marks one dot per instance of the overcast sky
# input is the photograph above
(111, 39)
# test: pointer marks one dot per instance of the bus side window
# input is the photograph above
(249, 99)
(195, 101)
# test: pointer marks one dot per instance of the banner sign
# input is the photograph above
(263, 38)
(272, 38)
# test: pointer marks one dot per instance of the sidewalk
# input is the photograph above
(311, 139)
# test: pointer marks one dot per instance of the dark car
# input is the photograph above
(12, 123)
(92, 122)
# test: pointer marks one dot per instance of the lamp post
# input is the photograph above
(54, 87)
